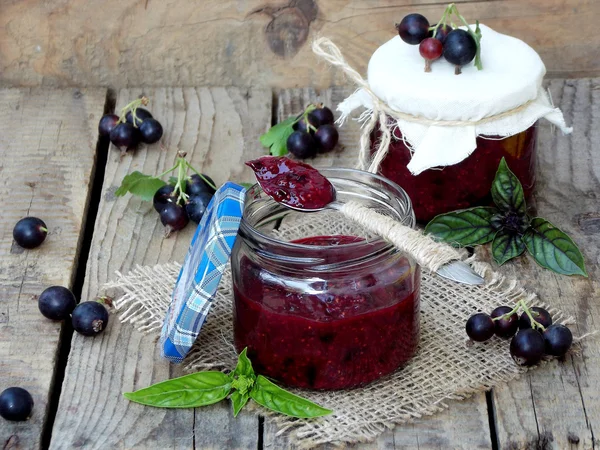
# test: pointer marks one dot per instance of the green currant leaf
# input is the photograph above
(246, 185)
(238, 401)
(553, 249)
(172, 181)
(507, 191)
(144, 186)
(189, 391)
(506, 245)
(276, 138)
(276, 399)
(465, 227)
(244, 365)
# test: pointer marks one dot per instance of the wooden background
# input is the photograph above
(121, 43)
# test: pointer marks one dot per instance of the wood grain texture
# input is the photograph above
(465, 424)
(253, 42)
(558, 405)
(41, 131)
(219, 129)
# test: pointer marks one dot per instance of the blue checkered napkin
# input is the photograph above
(202, 270)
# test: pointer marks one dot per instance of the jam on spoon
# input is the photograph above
(292, 183)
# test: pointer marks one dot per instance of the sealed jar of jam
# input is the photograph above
(465, 184)
(442, 134)
(318, 302)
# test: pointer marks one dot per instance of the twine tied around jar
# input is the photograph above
(326, 49)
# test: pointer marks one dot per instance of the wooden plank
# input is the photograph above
(219, 129)
(465, 424)
(558, 405)
(254, 42)
(40, 132)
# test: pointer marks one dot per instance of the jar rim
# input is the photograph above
(395, 191)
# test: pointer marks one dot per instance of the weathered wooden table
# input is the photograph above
(52, 166)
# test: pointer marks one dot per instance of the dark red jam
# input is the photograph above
(292, 183)
(329, 329)
(463, 185)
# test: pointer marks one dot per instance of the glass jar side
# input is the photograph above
(463, 185)
(324, 312)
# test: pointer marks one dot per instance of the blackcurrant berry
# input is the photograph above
(302, 145)
(413, 28)
(480, 327)
(306, 124)
(527, 347)
(459, 48)
(107, 123)
(326, 137)
(173, 217)
(557, 340)
(322, 116)
(430, 49)
(505, 327)
(90, 318)
(57, 303)
(442, 33)
(151, 131)
(196, 206)
(30, 232)
(163, 196)
(16, 404)
(197, 185)
(141, 114)
(540, 315)
(124, 135)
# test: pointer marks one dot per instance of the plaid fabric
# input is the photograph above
(202, 269)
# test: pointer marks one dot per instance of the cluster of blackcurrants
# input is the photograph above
(176, 209)
(533, 334)
(135, 125)
(314, 133)
(457, 45)
(55, 303)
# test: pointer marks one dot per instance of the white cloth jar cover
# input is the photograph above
(440, 114)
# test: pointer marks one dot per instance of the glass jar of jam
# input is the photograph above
(328, 306)
(463, 185)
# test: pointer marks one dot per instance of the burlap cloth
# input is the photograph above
(447, 367)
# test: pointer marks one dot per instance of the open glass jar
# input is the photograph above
(463, 185)
(319, 303)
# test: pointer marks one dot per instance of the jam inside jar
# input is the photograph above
(321, 304)
(463, 185)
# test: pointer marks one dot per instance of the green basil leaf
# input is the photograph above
(276, 399)
(507, 191)
(238, 401)
(553, 249)
(144, 186)
(189, 391)
(276, 138)
(244, 365)
(465, 227)
(507, 245)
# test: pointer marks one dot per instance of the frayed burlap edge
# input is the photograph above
(447, 367)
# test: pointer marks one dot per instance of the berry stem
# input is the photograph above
(508, 314)
(521, 305)
(133, 106)
(534, 323)
(442, 21)
(44, 229)
(188, 165)
(181, 175)
(476, 35)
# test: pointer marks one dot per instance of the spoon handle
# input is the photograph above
(427, 252)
